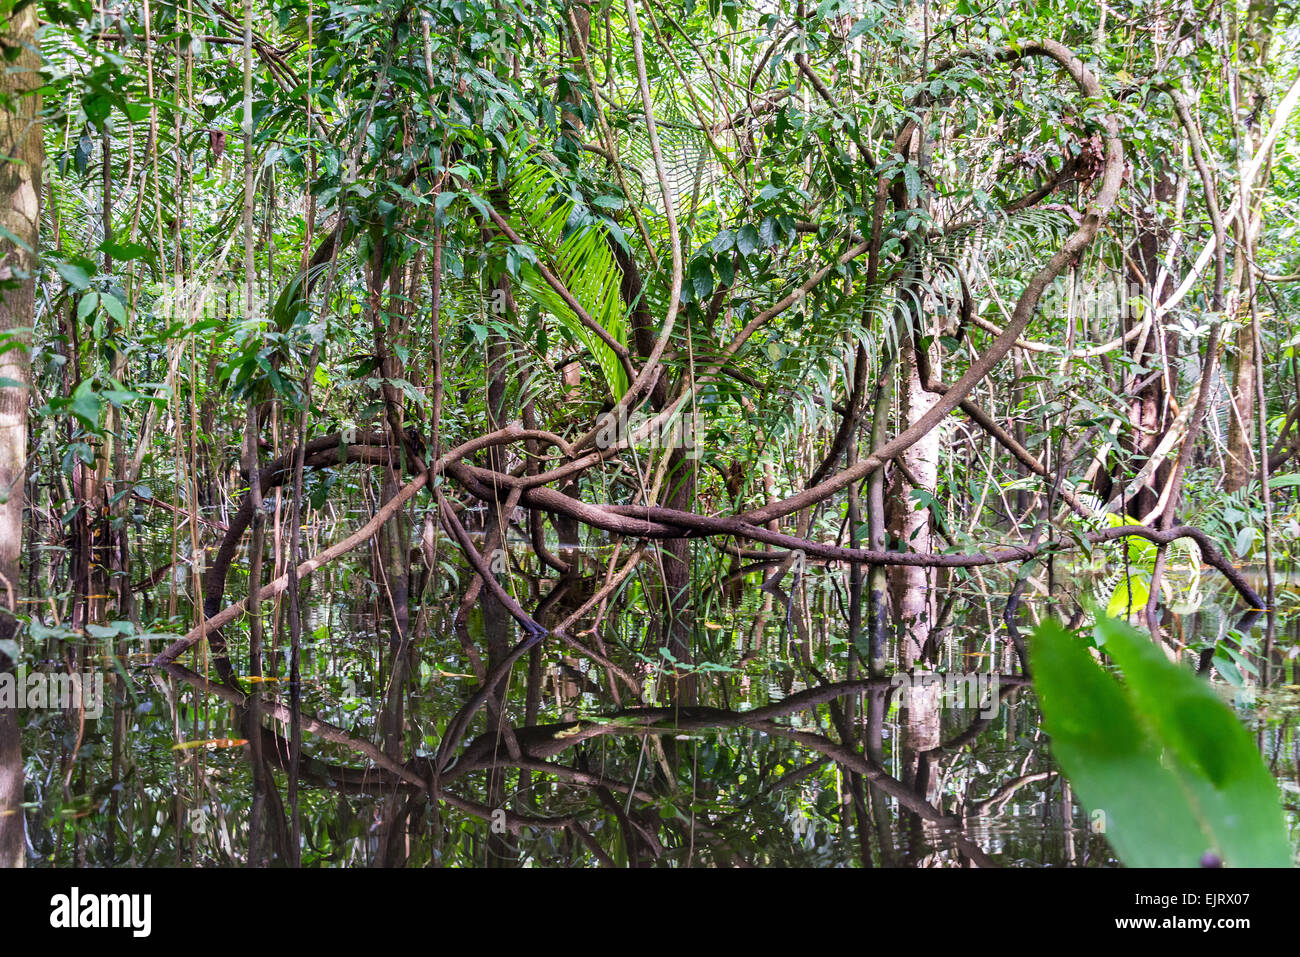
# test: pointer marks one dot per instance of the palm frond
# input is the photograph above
(576, 245)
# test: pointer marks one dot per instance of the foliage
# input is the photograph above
(1177, 776)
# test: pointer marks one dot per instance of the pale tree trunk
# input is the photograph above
(1241, 415)
(21, 151)
(911, 591)
(1256, 32)
(910, 585)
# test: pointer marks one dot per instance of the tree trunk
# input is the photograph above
(21, 148)
(1252, 104)
(908, 523)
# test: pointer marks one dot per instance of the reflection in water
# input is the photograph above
(473, 744)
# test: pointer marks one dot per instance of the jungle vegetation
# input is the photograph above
(557, 331)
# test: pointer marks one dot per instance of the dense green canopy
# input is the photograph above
(554, 333)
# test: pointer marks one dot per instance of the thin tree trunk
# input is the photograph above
(910, 525)
(1254, 41)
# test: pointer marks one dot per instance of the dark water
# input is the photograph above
(788, 759)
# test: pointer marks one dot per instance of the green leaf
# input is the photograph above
(40, 632)
(912, 179)
(15, 239)
(1129, 597)
(747, 239)
(125, 252)
(113, 306)
(86, 404)
(726, 274)
(1175, 772)
(1231, 673)
(1139, 551)
(76, 276)
(1243, 663)
(88, 304)
(701, 277)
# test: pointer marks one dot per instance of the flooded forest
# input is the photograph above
(649, 433)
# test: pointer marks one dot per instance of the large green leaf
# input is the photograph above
(1174, 771)
(1141, 552)
(1129, 597)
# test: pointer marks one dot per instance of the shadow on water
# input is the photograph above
(790, 754)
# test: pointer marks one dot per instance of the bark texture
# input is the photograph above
(21, 150)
